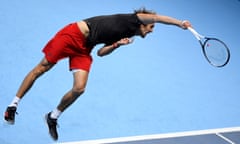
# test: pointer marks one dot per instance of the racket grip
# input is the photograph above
(195, 33)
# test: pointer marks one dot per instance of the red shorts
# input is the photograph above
(69, 42)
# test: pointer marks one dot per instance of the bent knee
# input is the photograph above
(40, 69)
(78, 90)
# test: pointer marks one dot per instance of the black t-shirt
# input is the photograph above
(108, 29)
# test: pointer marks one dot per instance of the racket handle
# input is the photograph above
(195, 33)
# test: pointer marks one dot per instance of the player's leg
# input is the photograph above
(79, 84)
(27, 83)
(29, 80)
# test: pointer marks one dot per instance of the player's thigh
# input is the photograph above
(45, 65)
(80, 80)
(42, 67)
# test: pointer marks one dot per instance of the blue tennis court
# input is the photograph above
(157, 86)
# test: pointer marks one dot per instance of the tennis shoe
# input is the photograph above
(52, 126)
(9, 114)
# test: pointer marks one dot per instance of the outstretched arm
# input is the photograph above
(156, 18)
(107, 49)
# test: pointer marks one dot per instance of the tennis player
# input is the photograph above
(76, 41)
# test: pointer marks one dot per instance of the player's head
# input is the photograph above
(145, 28)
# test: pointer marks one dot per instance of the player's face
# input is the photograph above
(145, 29)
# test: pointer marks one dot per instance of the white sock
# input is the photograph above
(55, 114)
(15, 101)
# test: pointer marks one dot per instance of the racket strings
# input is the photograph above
(216, 52)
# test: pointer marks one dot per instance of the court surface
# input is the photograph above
(211, 136)
(158, 89)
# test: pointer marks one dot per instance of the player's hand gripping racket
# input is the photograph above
(215, 51)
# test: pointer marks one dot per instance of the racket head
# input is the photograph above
(216, 52)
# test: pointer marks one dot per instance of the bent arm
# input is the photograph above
(107, 49)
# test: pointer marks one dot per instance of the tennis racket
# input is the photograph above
(214, 50)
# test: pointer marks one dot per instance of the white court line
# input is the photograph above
(159, 136)
(225, 138)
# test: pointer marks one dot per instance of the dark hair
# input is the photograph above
(144, 10)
